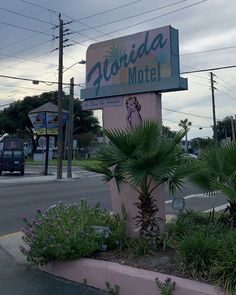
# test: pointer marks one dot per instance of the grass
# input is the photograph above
(53, 162)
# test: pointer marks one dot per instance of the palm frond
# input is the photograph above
(179, 173)
(122, 140)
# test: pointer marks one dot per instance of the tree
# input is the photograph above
(224, 129)
(185, 124)
(167, 132)
(14, 120)
(144, 158)
(199, 143)
(215, 171)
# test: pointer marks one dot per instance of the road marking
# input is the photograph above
(189, 197)
(218, 208)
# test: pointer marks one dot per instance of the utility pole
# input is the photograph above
(60, 81)
(213, 105)
(232, 128)
(70, 129)
(235, 122)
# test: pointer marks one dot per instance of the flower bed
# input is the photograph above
(202, 247)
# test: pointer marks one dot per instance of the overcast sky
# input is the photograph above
(207, 37)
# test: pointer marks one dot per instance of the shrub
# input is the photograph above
(224, 272)
(187, 222)
(136, 247)
(198, 252)
(67, 232)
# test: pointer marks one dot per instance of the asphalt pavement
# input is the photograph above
(18, 278)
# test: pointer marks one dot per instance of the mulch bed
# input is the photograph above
(164, 262)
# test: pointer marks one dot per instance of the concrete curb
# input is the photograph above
(11, 243)
(131, 281)
(36, 179)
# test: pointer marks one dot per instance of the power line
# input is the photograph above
(108, 10)
(210, 69)
(195, 126)
(22, 87)
(190, 114)
(93, 15)
(24, 15)
(134, 2)
(24, 28)
(209, 50)
(26, 59)
(142, 22)
(224, 86)
(132, 16)
(135, 15)
(23, 40)
(23, 50)
(79, 20)
(233, 86)
(226, 94)
(35, 81)
(13, 65)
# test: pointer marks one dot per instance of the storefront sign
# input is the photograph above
(46, 123)
(142, 62)
(39, 122)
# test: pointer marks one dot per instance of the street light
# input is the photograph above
(82, 62)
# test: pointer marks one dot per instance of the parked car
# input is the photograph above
(12, 156)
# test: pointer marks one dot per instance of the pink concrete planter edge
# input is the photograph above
(131, 280)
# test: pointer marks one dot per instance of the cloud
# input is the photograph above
(28, 38)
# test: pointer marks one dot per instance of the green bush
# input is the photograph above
(206, 247)
(198, 252)
(68, 232)
(136, 247)
(189, 221)
(224, 272)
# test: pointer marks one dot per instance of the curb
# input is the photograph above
(130, 280)
(11, 243)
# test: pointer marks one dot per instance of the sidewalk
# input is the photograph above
(35, 178)
(18, 279)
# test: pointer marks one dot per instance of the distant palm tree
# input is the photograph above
(185, 124)
(215, 171)
(144, 158)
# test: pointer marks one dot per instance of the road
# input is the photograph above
(22, 199)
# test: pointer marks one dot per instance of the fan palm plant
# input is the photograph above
(215, 170)
(144, 158)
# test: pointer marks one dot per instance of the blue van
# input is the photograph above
(12, 156)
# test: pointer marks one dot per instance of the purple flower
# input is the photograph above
(38, 211)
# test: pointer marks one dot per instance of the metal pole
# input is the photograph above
(59, 138)
(70, 129)
(213, 106)
(232, 128)
(46, 156)
(235, 122)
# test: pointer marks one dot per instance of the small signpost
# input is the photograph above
(178, 203)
